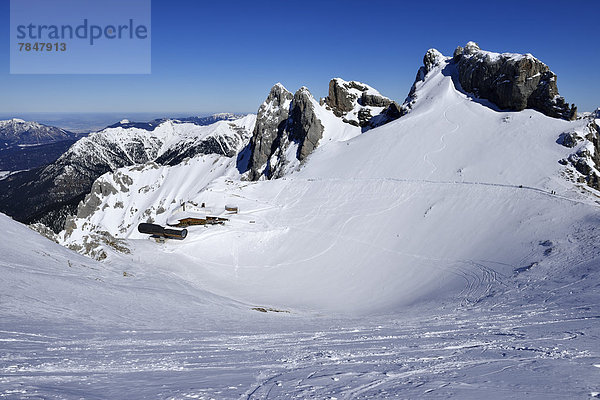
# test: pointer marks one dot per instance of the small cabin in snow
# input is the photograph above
(190, 221)
(231, 209)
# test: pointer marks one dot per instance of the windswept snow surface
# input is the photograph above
(445, 254)
(74, 328)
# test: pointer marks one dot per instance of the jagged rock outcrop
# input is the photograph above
(270, 124)
(586, 158)
(303, 126)
(93, 199)
(340, 98)
(511, 81)
(286, 120)
(44, 231)
(359, 104)
(432, 59)
(283, 119)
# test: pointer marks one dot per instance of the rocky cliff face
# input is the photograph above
(304, 127)
(289, 127)
(284, 121)
(359, 104)
(226, 145)
(269, 129)
(511, 81)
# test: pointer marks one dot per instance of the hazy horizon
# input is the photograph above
(81, 122)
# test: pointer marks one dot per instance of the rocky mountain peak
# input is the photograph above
(344, 96)
(270, 124)
(283, 119)
(340, 98)
(432, 59)
(359, 104)
(286, 120)
(278, 95)
(16, 131)
(304, 127)
(511, 81)
(16, 121)
(471, 48)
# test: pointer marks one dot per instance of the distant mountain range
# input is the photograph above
(200, 121)
(51, 192)
(25, 145)
(15, 132)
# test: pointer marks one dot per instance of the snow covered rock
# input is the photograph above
(201, 121)
(511, 81)
(222, 144)
(152, 193)
(359, 104)
(586, 158)
(340, 99)
(432, 60)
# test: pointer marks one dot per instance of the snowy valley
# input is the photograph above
(442, 247)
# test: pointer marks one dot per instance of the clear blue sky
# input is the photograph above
(226, 55)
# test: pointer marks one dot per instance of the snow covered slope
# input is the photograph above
(44, 282)
(447, 202)
(75, 328)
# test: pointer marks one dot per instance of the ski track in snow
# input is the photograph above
(427, 155)
(479, 279)
(466, 354)
(441, 182)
